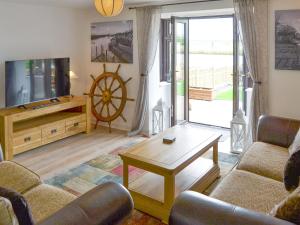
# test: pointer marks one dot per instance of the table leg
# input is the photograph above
(215, 153)
(169, 190)
(125, 175)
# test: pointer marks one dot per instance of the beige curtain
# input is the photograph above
(148, 28)
(252, 17)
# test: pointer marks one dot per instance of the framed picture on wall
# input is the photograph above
(112, 42)
(287, 40)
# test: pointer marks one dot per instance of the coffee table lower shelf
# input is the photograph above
(148, 191)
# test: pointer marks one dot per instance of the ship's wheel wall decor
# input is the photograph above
(108, 95)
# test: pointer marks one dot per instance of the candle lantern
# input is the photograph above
(238, 132)
(160, 117)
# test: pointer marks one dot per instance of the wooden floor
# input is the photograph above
(65, 154)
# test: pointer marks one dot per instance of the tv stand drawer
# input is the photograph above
(23, 141)
(76, 127)
(53, 132)
(55, 129)
(76, 124)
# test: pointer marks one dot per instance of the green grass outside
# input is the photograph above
(180, 88)
(225, 95)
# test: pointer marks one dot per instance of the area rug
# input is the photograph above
(108, 167)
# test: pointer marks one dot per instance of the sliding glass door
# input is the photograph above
(180, 68)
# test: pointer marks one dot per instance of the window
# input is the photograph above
(166, 50)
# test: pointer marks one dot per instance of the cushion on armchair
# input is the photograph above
(17, 178)
(44, 200)
(292, 171)
(296, 144)
(19, 205)
(270, 163)
(289, 208)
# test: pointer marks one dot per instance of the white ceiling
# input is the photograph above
(87, 3)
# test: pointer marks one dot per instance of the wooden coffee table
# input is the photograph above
(171, 168)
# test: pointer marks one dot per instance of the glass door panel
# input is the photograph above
(180, 70)
(211, 86)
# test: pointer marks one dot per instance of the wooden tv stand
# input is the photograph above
(42, 123)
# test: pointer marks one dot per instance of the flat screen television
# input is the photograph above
(34, 80)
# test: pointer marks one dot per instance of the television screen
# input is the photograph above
(35, 80)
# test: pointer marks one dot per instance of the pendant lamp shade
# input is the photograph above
(109, 7)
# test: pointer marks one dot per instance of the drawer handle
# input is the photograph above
(27, 139)
(53, 131)
(76, 124)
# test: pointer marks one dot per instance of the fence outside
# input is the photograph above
(210, 78)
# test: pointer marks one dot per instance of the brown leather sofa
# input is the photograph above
(106, 204)
(249, 192)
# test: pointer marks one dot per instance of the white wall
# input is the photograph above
(284, 85)
(33, 32)
(126, 71)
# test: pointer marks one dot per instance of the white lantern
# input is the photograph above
(160, 115)
(238, 132)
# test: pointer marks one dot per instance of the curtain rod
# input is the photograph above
(179, 3)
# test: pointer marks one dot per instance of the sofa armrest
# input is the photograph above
(276, 130)
(192, 208)
(106, 204)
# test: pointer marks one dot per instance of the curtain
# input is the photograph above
(148, 29)
(252, 18)
(1, 153)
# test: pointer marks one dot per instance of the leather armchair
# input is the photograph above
(107, 204)
(192, 208)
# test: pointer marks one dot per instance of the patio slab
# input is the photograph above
(216, 112)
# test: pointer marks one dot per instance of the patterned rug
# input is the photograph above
(108, 167)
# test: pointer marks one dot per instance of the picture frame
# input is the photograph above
(112, 42)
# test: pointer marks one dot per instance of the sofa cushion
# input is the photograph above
(292, 171)
(7, 215)
(16, 177)
(296, 144)
(289, 208)
(250, 191)
(45, 200)
(265, 160)
(19, 204)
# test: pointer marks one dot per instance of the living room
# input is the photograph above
(144, 114)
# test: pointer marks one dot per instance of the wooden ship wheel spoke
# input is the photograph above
(107, 88)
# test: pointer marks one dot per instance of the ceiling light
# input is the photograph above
(109, 7)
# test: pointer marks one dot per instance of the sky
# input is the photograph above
(211, 29)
